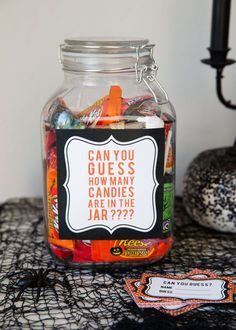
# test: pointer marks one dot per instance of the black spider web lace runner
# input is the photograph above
(95, 299)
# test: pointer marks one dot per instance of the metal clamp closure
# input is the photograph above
(147, 74)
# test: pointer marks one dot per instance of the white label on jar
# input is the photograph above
(110, 184)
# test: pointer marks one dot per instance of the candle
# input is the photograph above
(220, 24)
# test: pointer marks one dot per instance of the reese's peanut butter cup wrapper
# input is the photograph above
(127, 249)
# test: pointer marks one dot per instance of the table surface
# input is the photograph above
(97, 299)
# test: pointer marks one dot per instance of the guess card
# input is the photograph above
(178, 294)
(195, 287)
(132, 287)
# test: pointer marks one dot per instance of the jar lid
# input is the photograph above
(105, 54)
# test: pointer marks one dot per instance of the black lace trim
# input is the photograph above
(95, 299)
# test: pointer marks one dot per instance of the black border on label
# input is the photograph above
(101, 135)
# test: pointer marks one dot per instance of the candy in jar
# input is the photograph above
(108, 157)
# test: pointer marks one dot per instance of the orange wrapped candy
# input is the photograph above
(104, 111)
(53, 235)
(127, 249)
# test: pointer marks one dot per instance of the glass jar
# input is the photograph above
(108, 156)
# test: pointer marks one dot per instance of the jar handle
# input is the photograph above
(151, 71)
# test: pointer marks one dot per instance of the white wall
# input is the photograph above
(30, 31)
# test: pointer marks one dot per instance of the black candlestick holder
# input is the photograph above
(219, 61)
(219, 45)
